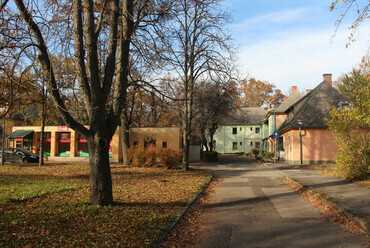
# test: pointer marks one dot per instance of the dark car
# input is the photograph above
(17, 155)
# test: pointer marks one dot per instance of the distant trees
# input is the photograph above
(255, 93)
(195, 47)
(351, 126)
(213, 104)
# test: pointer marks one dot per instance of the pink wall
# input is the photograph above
(279, 119)
(317, 145)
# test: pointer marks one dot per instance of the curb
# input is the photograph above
(161, 237)
(331, 201)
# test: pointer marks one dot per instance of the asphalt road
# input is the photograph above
(252, 207)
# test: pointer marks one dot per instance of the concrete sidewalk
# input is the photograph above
(252, 207)
(354, 198)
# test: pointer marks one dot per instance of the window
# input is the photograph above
(240, 129)
(135, 143)
(235, 130)
(241, 143)
(257, 130)
(251, 129)
(258, 144)
(251, 143)
(235, 145)
(164, 144)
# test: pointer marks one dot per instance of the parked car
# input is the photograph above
(17, 155)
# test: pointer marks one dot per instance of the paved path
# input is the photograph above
(252, 207)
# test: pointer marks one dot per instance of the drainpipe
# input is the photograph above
(300, 146)
(300, 142)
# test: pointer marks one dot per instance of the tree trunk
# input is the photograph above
(41, 161)
(125, 129)
(100, 174)
(185, 151)
(211, 143)
(204, 141)
(43, 117)
(3, 142)
(186, 135)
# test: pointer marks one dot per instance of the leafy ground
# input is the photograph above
(48, 206)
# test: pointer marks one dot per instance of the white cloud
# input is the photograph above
(265, 20)
(301, 57)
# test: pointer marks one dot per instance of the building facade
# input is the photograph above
(306, 136)
(63, 143)
(242, 132)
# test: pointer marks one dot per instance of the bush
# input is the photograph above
(255, 153)
(152, 157)
(210, 156)
(266, 157)
(351, 127)
(136, 156)
(169, 158)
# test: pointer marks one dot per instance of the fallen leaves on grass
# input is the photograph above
(147, 200)
(187, 230)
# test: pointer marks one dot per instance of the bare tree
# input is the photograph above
(195, 46)
(80, 28)
(213, 103)
(361, 10)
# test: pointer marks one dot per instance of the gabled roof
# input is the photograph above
(246, 116)
(291, 99)
(21, 134)
(316, 106)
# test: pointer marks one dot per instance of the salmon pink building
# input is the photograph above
(305, 134)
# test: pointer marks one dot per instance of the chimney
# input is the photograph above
(284, 98)
(294, 88)
(327, 78)
(308, 91)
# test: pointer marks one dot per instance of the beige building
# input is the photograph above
(63, 143)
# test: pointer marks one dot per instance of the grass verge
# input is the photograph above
(327, 205)
(49, 207)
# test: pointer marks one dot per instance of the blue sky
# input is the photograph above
(289, 42)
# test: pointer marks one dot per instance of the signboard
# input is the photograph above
(276, 134)
(63, 129)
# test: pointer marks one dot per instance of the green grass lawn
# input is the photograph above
(49, 206)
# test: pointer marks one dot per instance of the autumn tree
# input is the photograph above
(82, 28)
(195, 46)
(255, 93)
(351, 126)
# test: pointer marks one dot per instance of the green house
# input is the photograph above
(241, 132)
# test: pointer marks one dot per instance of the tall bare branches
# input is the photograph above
(194, 46)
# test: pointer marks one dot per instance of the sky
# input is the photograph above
(290, 42)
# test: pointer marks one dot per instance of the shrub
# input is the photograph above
(136, 156)
(351, 127)
(168, 157)
(151, 154)
(266, 156)
(256, 152)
